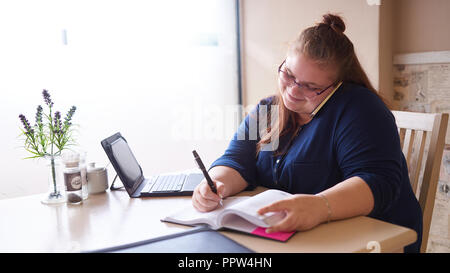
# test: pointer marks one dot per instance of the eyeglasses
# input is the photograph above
(306, 90)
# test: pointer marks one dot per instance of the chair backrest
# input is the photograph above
(414, 129)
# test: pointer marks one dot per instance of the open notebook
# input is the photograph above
(238, 213)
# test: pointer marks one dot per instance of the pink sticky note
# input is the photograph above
(279, 236)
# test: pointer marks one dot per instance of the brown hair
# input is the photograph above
(326, 44)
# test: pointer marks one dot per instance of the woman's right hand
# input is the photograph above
(203, 199)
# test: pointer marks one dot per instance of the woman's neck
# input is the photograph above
(303, 119)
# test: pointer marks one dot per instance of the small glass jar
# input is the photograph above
(73, 182)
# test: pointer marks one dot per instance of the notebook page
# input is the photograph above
(250, 207)
(191, 216)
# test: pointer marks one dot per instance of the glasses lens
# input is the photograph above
(285, 77)
(290, 81)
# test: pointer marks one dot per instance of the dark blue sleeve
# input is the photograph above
(241, 152)
(367, 145)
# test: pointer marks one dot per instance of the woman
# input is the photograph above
(338, 151)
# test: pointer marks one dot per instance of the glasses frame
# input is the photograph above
(299, 85)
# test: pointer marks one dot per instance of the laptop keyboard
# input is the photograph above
(165, 183)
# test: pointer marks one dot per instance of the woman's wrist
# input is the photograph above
(326, 209)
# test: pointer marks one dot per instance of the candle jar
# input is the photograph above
(73, 180)
(73, 183)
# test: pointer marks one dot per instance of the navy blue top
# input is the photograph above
(354, 134)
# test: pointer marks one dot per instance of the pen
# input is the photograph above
(205, 173)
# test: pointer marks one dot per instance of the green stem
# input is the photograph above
(52, 160)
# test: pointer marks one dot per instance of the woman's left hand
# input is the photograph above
(303, 212)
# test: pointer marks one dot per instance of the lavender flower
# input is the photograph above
(57, 115)
(47, 98)
(39, 115)
(69, 116)
(26, 125)
(57, 126)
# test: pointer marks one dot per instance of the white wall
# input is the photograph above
(138, 67)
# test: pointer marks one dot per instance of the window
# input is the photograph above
(163, 73)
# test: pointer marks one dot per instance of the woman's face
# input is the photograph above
(311, 76)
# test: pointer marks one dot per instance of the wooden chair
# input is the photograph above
(414, 129)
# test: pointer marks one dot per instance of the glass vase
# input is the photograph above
(56, 193)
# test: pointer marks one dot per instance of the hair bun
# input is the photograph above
(334, 21)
